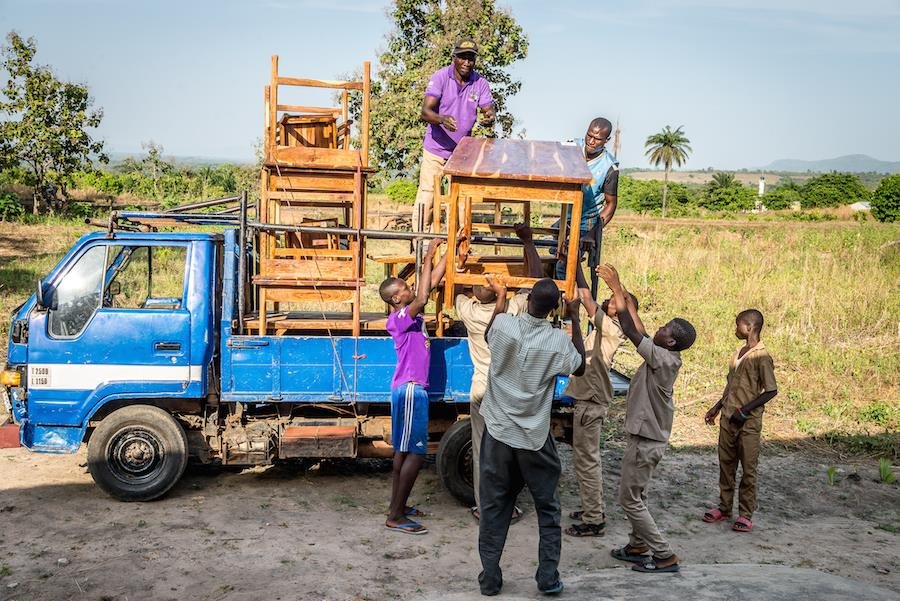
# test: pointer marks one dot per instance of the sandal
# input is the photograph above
(576, 515)
(653, 565)
(408, 527)
(632, 554)
(586, 529)
(414, 512)
(715, 515)
(742, 524)
(516, 515)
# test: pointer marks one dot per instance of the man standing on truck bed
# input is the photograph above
(527, 353)
(409, 399)
(452, 99)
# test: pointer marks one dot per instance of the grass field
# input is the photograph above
(830, 293)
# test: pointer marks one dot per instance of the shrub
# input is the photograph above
(10, 206)
(781, 197)
(832, 190)
(886, 200)
(730, 198)
(402, 191)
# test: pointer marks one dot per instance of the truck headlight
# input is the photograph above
(11, 378)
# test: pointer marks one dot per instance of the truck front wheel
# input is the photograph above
(454, 462)
(137, 453)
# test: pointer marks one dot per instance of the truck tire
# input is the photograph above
(454, 462)
(137, 453)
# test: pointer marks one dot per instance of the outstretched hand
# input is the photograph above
(609, 275)
(434, 245)
(523, 231)
(572, 306)
(496, 284)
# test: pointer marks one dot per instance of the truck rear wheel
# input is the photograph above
(454, 462)
(137, 453)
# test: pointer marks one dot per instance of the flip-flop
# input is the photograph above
(415, 512)
(516, 514)
(408, 527)
(623, 554)
(714, 515)
(576, 515)
(742, 524)
(649, 566)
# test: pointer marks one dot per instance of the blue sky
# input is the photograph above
(750, 81)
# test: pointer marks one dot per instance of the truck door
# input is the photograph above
(117, 327)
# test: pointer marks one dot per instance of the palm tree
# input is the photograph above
(722, 179)
(667, 147)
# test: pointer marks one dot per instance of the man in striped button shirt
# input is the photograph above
(527, 353)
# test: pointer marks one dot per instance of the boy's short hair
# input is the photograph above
(484, 294)
(605, 304)
(683, 333)
(388, 289)
(752, 316)
(545, 296)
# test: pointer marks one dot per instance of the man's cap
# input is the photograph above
(465, 45)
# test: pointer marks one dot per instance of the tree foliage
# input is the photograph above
(722, 179)
(886, 199)
(44, 126)
(667, 147)
(832, 190)
(421, 43)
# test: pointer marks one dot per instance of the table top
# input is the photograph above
(526, 160)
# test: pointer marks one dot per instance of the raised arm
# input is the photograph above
(577, 339)
(584, 290)
(500, 290)
(437, 274)
(532, 259)
(626, 314)
(425, 285)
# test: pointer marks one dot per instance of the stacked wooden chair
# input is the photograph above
(311, 176)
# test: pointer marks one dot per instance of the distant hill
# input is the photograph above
(853, 163)
(179, 161)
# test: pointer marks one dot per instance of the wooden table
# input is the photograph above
(523, 171)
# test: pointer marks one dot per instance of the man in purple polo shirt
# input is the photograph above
(452, 99)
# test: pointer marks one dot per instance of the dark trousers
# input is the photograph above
(504, 471)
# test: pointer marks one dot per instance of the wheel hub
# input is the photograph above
(135, 454)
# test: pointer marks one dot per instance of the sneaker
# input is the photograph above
(554, 589)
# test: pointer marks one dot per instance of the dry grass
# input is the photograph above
(830, 293)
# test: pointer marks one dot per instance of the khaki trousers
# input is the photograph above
(642, 455)
(432, 166)
(588, 425)
(475, 396)
(739, 445)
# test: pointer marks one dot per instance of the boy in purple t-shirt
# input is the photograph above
(452, 99)
(409, 399)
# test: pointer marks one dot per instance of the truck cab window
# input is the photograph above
(144, 277)
(77, 296)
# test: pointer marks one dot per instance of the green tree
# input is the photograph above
(667, 147)
(722, 179)
(832, 190)
(886, 199)
(44, 124)
(730, 198)
(420, 44)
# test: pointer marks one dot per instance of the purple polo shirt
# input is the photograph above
(412, 346)
(459, 102)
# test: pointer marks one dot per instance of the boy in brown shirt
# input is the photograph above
(648, 421)
(592, 393)
(750, 385)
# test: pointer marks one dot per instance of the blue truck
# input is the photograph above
(132, 344)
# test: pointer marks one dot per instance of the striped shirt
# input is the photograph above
(527, 353)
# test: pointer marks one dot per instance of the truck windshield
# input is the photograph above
(77, 295)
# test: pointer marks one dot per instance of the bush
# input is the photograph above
(832, 190)
(402, 191)
(886, 200)
(730, 198)
(10, 206)
(781, 197)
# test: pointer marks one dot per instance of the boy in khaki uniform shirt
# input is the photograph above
(750, 385)
(475, 312)
(649, 412)
(592, 393)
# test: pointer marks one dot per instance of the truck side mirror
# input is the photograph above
(44, 302)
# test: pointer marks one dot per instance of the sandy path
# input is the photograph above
(276, 534)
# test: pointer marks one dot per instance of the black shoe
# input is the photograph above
(554, 589)
(489, 591)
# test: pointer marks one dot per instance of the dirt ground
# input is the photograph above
(282, 534)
